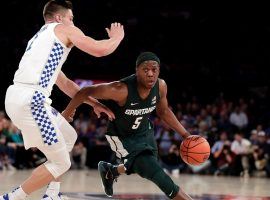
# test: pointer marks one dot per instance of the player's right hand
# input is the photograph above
(101, 108)
(116, 31)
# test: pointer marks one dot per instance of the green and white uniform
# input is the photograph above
(131, 136)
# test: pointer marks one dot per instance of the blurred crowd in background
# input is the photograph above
(204, 49)
(237, 130)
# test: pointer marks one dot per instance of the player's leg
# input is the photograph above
(58, 163)
(70, 137)
(56, 153)
(147, 166)
(109, 174)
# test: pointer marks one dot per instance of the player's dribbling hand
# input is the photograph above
(116, 31)
(68, 116)
(186, 135)
(100, 108)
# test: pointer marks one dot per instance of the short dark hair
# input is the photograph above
(146, 56)
(54, 6)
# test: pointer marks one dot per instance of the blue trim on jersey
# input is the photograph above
(5, 197)
(42, 119)
(51, 65)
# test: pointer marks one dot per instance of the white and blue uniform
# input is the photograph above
(27, 100)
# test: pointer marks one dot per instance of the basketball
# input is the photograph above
(194, 150)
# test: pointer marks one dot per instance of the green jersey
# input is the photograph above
(133, 117)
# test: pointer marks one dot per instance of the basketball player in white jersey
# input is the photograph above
(27, 100)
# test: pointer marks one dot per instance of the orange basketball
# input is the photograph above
(194, 150)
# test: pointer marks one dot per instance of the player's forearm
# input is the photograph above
(80, 97)
(70, 88)
(108, 46)
(169, 118)
(98, 48)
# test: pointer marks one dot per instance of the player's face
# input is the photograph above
(65, 17)
(147, 73)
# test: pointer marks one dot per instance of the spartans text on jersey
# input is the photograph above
(139, 111)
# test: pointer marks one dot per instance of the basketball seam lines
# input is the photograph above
(195, 152)
(193, 159)
(188, 149)
(196, 145)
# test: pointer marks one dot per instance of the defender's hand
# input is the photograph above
(116, 31)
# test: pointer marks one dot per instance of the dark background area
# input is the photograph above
(205, 49)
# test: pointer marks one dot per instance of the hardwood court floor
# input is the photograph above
(86, 185)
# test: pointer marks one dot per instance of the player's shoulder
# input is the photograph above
(118, 85)
(161, 82)
(67, 28)
(119, 90)
(162, 87)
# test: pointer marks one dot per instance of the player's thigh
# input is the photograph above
(68, 132)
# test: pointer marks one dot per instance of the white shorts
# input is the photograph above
(41, 125)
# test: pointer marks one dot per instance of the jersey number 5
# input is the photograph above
(137, 123)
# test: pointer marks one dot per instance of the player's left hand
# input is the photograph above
(101, 108)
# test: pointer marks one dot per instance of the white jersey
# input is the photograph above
(27, 101)
(42, 60)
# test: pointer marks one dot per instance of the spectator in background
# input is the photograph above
(261, 152)
(78, 156)
(5, 151)
(239, 119)
(253, 137)
(223, 158)
(171, 163)
(165, 140)
(241, 147)
(226, 161)
(224, 124)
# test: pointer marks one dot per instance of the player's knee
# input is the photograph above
(142, 167)
(63, 166)
(60, 166)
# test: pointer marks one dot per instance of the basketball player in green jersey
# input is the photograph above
(131, 134)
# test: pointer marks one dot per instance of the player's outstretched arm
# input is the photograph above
(97, 48)
(116, 91)
(70, 88)
(165, 113)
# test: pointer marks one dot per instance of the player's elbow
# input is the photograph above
(161, 113)
(98, 54)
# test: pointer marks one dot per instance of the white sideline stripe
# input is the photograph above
(117, 146)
